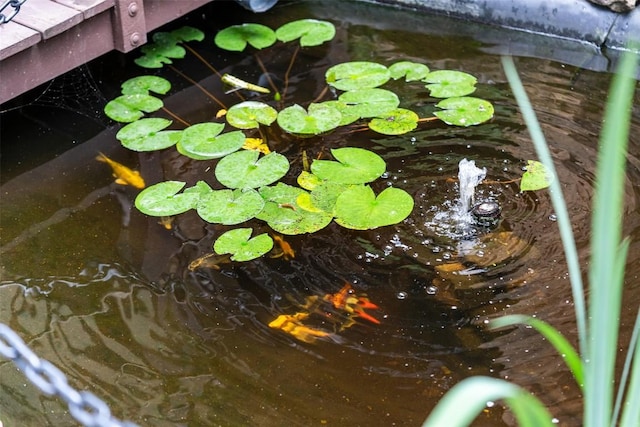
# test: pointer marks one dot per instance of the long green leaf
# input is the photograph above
(632, 406)
(462, 404)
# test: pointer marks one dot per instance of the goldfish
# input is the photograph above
(123, 175)
(285, 251)
(292, 324)
(210, 260)
(346, 299)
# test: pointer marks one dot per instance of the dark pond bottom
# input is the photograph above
(105, 293)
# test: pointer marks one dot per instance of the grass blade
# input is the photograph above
(633, 394)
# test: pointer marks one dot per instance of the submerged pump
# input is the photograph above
(257, 5)
(486, 214)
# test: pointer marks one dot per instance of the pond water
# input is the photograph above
(105, 293)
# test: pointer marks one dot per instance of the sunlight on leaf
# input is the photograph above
(129, 108)
(395, 122)
(353, 166)
(319, 119)
(411, 71)
(239, 243)
(203, 141)
(311, 32)
(146, 84)
(230, 207)
(250, 114)
(243, 169)
(347, 112)
(162, 199)
(536, 177)
(464, 111)
(357, 75)
(448, 83)
(236, 37)
(147, 135)
(359, 208)
(370, 102)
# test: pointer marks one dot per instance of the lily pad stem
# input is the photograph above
(198, 85)
(286, 75)
(176, 117)
(266, 73)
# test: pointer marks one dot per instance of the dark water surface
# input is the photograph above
(104, 292)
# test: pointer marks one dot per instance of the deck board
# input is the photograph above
(15, 38)
(88, 8)
(47, 17)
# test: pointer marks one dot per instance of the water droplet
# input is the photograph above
(553, 217)
(490, 404)
(431, 290)
(402, 295)
(413, 139)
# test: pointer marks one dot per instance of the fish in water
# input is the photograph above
(123, 175)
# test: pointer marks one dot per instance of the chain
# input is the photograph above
(84, 406)
(15, 4)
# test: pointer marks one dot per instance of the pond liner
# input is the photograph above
(566, 24)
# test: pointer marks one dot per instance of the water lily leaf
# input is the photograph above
(147, 135)
(188, 34)
(311, 32)
(395, 122)
(448, 83)
(464, 111)
(370, 102)
(411, 71)
(357, 75)
(129, 108)
(250, 114)
(156, 55)
(230, 207)
(347, 112)
(308, 181)
(203, 141)
(319, 119)
(353, 166)
(145, 84)
(242, 169)
(243, 248)
(536, 177)
(359, 208)
(236, 37)
(162, 199)
(325, 195)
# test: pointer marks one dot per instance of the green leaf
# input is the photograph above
(325, 195)
(188, 34)
(353, 166)
(162, 199)
(448, 83)
(243, 248)
(359, 208)
(370, 102)
(311, 32)
(202, 141)
(411, 71)
(357, 75)
(146, 135)
(536, 177)
(156, 55)
(395, 122)
(242, 169)
(145, 84)
(250, 114)
(347, 112)
(129, 108)
(230, 207)
(320, 118)
(464, 111)
(236, 37)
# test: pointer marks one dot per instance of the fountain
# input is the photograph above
(469, 176)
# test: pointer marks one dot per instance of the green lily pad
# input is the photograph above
(448, 83)
(188, 34)
(325, 195)
(129, 108)
(357, 75)
(464, 111)
(319, 119)
(411, 71)
(308, 181)
(203, 141)
(230, 207)
(359, 208)
(311, 32)
(162, 199)
(536, 177)
(147, 135)
(236, 37)
(370, 102)
(145, 84)
(156, 55)
(353, 166)
(395, 122)
(250, 114)
(239, 243)
(347, 112)
(242, 169)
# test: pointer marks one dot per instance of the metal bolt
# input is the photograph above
(132, 9)
(134, 39)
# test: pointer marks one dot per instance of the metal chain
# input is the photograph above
(15, 4)
(84, 406)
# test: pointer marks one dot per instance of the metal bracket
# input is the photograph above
(130, 29)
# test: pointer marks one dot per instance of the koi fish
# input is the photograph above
(166, 222)
(210, 260)
(292, 324)
(237, 83)
(347, 300)
(286, 251)
(123, 175)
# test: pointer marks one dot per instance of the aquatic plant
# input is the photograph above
(593, 366)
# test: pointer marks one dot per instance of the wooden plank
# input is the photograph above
(15, 38)
(88, 8)
(47, 17)
(159, 12)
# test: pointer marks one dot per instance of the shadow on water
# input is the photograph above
(105, 293)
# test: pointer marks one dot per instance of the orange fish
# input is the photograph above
(123, 175)
(287, 251)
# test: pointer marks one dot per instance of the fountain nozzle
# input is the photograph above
(486, 214)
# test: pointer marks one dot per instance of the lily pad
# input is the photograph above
(448, 83)
(357, 75)
(464, 111)
(250, 114)
(347, 112)
(325, 195)
(162, 199)
(145, 84)
(353, 166)
(242, 169)
(395, 122)
(536, 177)
(411, 71)
(187, 34)
(155, 55)
(359, 208)
(129, 108)
(147, 135)
(236, 37)
(311, 32)
(203, 141)
(230, 207)
(319, 119)
(370, 102)
(239, 243)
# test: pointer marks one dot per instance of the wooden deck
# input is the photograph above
(50, 37)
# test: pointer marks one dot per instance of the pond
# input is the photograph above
(107, 294)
